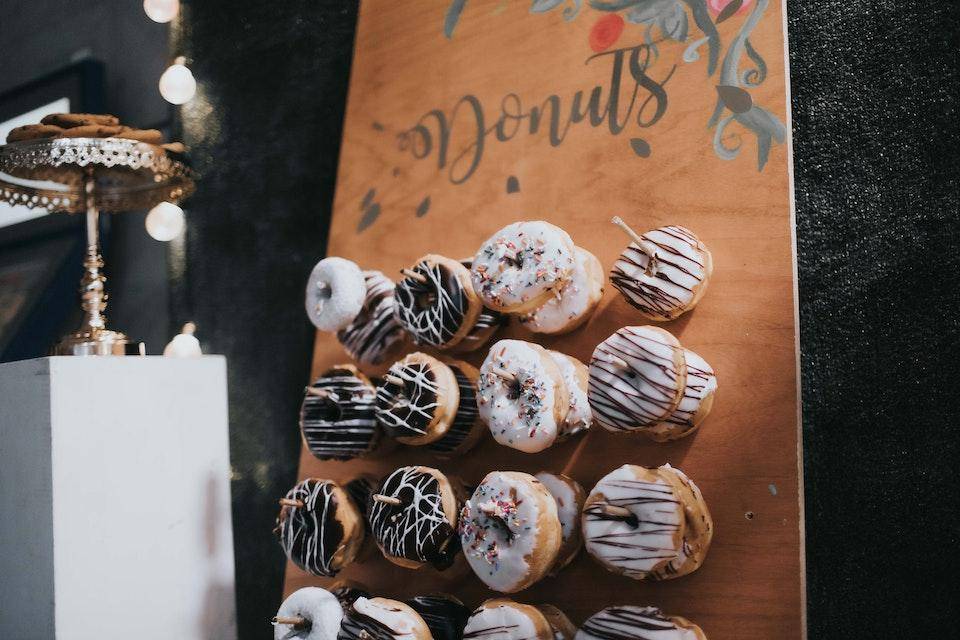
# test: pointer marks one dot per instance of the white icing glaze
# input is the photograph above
(639, 547)
(572, 301)
(632, 623)
(499, 530)
(520, 413)
(521, 263)
(320, 607)
(695, 542)
(375, 330)
(502, 621)
(701, 384)
(335, 293)
(568, 511)
(579, 416)
(398, 618)
(670, 285)
(644, 391)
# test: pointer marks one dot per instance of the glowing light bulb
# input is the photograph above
(161, 10)
(177, 84)
(165, 222)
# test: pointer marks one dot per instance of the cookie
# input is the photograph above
(150, 136)
(91, 131)
(72, 120)
(33, 132)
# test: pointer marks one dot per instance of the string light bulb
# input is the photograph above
(161, 10)
(177, 84)
(165, 222)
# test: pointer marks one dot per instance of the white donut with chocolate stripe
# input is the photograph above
(637, 378)
(666, 274)
(637, 623)
(579, 416)
(695, 405)
(502, 619)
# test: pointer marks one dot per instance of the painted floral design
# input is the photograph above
(676, 20)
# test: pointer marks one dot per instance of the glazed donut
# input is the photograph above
(521, 395)
(335, 293)
(444, 614)
(413, 517)
(579, 415)
(569, 496)
(503, 619)
(486, 325)
(418, 400)
(375, 333)
(436, 303)
(638, 623)
(310, 613)
(647, 523)
(320, 529)
(697, 531)
(382, 619)
(695, 405)
(518, 268)
(573, 303)
(467, 428)
(337, 416)
(510, 531)
(637, 378)
(664, 272)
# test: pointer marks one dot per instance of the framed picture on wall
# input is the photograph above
(40, 253)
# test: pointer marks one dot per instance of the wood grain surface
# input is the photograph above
(392, 207)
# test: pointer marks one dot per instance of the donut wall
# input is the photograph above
(466, 117)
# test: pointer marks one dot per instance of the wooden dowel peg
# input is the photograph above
(503, 373)
(287, 502)
(379, 497)
(644, 245)
(297, 622)
(392, 379)
(617, 360)
(319, 393)
(617, 220)
(616, 512)
(410, 273)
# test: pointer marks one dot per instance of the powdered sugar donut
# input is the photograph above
(375, 333)
(519, 266)
(576, 376)
(638, 623)
(521, 395)
(569, 496)
(572, 303)
(503, 619)
(665, 274)
(510, 531)
(310, 613)
(336, 290)
(637, 378)
(382, 619)
(436, 302)
(695, 405)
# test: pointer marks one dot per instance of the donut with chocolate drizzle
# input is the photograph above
(436, 303)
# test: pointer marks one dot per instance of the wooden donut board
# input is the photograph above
(392, 207)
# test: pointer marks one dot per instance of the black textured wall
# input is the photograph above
(875, 94)
(876, 86)
(265, 133)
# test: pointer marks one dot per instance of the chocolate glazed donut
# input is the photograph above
(337, 415)
(311, 534)
(436, 303)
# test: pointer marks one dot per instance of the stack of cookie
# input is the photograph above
(88, 125)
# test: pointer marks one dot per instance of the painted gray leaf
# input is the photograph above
(613, 5)
(649, 11)
(727, 12)
(369, 216)
(453, 17)
(640, 147)
(423, 207)
(735, 98)
(542, 6)
(673, 23)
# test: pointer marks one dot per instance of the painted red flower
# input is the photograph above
(716, 6)
(605, 32)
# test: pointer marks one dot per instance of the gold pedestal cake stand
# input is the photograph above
(92, 175)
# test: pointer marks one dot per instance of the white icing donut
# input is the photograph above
(666, 275)
(503, 619)
(336, 290)
(694, 406)
(523, 413)
(509, 531)
(637, 543)
(637, 378)
(380, 618)
(320, 610)
(637, 623)
(579, 415)
(517, 268)
(569, 496)
(571, 304)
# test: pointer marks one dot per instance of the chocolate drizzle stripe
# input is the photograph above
(432, 311)
(631, 623)
(376, 329)
(467, 414)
